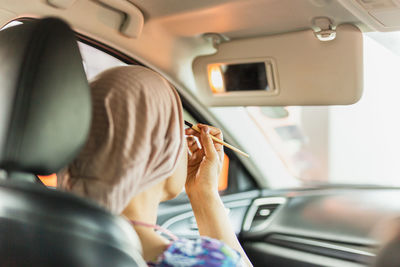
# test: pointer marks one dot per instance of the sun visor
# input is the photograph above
(295, 68)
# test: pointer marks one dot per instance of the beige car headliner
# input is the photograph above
(240, 18)
(171, 36)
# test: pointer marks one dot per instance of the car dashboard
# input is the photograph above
(331, 226)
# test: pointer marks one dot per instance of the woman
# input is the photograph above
(136, 157)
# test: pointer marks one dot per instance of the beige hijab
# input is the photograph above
(135, 140)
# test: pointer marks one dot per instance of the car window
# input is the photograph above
(356, 144)
(233, 178)
(11, 24)
(96, 61)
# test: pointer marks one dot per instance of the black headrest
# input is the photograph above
(45, 107)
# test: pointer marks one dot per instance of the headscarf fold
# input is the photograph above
(135, 141)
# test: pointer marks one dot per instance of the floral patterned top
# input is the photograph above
(203, 251)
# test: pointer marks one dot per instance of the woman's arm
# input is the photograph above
(204, 167)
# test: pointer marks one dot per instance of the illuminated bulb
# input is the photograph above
(215, 78)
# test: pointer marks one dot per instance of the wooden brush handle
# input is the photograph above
(194, 127)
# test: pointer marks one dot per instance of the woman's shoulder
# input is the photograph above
(202, 251)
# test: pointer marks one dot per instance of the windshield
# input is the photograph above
(356, 144)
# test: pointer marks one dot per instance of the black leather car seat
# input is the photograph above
(45, 113)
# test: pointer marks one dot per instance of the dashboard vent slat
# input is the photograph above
(260, 213)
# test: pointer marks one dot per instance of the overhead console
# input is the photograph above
(296, 68)
(380, 15)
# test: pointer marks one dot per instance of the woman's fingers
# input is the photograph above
(196, 154)
(213, 131)
(190, 131)
(207, 143)
(192, 144)
(190, 140)
(218, 134)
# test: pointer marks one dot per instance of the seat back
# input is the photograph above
(43, 227)
(45, 113)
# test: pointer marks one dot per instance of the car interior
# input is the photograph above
(257, 69)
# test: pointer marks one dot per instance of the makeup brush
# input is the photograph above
(194, 127)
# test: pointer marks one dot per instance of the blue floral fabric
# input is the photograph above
(203, 251)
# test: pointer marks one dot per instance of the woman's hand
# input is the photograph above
(204, 167)
(205, 163)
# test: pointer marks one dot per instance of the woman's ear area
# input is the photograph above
(176, 182)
